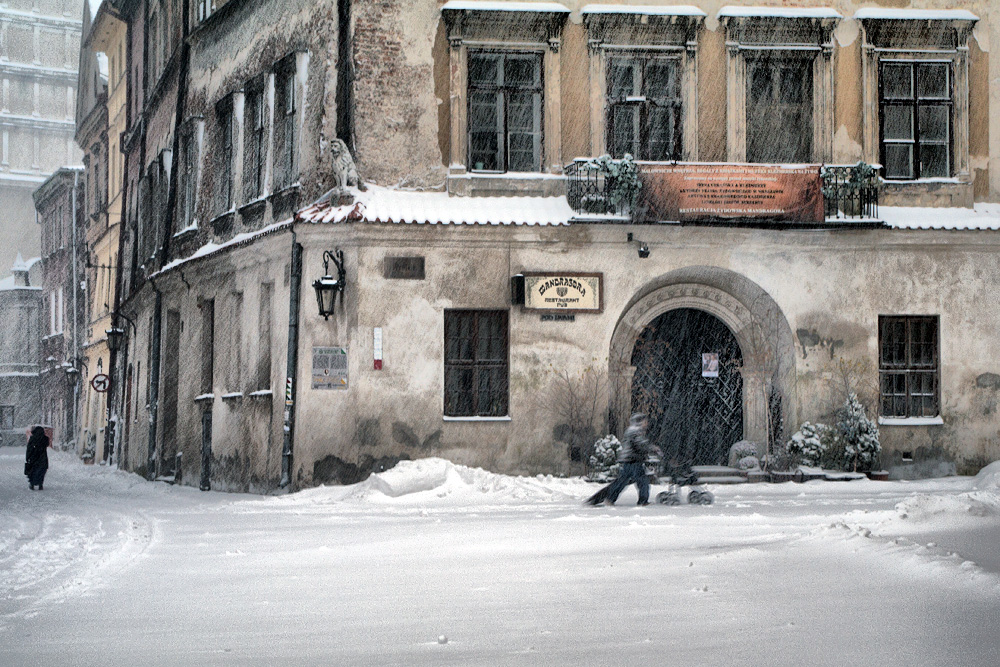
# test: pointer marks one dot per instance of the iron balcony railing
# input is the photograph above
(850, 192)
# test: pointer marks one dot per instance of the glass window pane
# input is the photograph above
(898, 161)
(484, 69)
(760, 84)
(521, 72)
(933, 122)
(622, 80)
(661, 134)
(934, 161)
(458, 391)
(932, 81)
(625, 130)
(897, 122)
(661, 79)
(897, 81)
(521, 112)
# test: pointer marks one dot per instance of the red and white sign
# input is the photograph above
(100, 383)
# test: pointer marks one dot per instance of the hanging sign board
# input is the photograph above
(699, 192)
(329, 368)
(576, 292)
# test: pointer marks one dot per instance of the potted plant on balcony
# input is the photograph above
(621, 182)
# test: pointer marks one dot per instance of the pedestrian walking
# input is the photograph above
(36, 458)
(635, 453)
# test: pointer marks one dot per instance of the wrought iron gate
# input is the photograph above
(692, 418)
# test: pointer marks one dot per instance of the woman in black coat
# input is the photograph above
(36, 458)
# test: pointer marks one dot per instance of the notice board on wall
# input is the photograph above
(329, 368)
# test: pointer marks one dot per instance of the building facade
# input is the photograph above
(59, 203)
(501, 296)
(20, 337)
(39, 46)
(100, 124)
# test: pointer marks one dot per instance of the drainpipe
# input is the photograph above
(292, 362)
(154, 382)
(76, 313)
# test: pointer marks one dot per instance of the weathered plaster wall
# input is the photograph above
(830, 286)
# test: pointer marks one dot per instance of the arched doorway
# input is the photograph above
(747, 313)
(693, 418)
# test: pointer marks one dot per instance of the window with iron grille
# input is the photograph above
(254, 147)
(908, 366)
(475, 363)
(915, 104)
(505, 111)
(644, 108)
(779, 107)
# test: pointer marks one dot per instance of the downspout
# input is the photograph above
(179, 108)
(154, 382)
(292, 361)
(76, 287)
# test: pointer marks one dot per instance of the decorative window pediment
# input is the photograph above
(916, 28)
(641, 25)
(504, 22)
(785, 26)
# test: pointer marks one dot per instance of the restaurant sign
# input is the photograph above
(577, 292)
(698, 192)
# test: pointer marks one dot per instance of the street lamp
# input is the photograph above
(116, 334)
(327, 288)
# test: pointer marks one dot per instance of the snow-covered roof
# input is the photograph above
(649, 10)
(380, 204)
(487, 6)
(981, 217)
(212, 248)
(915, 14)
(731, 11)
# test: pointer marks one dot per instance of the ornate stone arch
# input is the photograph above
(760, 327)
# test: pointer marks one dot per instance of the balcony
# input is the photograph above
(704, 193)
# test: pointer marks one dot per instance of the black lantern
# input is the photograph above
(116, 335)
(327, 288)
(116, 338)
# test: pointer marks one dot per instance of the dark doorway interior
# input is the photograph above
(692, 418)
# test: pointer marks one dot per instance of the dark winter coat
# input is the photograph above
(635, 446)
(37, 455)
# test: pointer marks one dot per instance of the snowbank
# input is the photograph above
(432, 479)
(988, 478)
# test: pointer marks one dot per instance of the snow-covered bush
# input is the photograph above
(810, 444)
(859, 436)
(604, 461)
(748, 463)
(740, 450)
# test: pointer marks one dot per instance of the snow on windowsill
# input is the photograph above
(729, 11)
(261, 393)
(649, 10)
(204, 397)
(483, 5)
(232, 395)
(911, 421)
(525, 175)
(448, 418)
(878, 13)
(190, 229)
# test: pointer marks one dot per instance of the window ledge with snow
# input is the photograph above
(473, 418)
(232, 396)
(911, 421)
(204, 397)
(260, 393)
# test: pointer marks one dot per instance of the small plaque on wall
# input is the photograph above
(329, 368)
(562, 292)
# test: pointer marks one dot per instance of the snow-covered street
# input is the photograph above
(435, 564)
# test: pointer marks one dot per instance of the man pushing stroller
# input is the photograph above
(635, 453)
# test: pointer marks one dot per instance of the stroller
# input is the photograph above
(677, 476)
